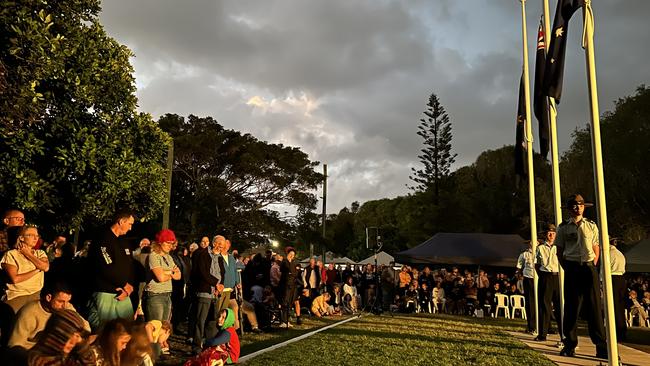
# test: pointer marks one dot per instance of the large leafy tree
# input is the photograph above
(233, 183)
(72, 146)
(625, 134)
(436, 156)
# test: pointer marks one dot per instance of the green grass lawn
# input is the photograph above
(404, 340)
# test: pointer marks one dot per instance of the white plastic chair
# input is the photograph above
(501, 302)
(518, 302)
(629, 317)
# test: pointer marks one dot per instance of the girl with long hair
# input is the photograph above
(111, 341)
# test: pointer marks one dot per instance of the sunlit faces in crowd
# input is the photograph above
(58, 301)
(14, 218)
(124, 225)
(205, 242)
(28, 237)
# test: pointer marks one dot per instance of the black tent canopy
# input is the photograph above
(637, 258)
(466, 249)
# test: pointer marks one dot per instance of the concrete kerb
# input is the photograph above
(289, 341)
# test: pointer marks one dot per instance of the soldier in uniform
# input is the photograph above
(548, 290)
(617, 261)
(578, 251)
(526, 265)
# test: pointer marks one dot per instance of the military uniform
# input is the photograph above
(548, 289)
(526, 263)
(581, 284)
(617, 262)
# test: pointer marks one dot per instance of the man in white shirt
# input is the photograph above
(33, 316)
(526, 265)
(617, 262)
(548, 288)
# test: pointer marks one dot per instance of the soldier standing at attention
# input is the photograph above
(578, 251)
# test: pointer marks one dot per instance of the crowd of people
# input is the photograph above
(105, 303)
(109, 303)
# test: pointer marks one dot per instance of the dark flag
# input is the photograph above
(520, 144)
(540, 102)
(554, 71)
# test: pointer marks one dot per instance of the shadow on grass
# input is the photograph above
(459, 320)
(352, 332)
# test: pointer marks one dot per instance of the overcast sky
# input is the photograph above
(347, 81)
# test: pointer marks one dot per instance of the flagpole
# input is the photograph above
(529, 153)
(599, 180)
(555, 165)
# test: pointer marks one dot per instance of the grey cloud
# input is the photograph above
(371, 65)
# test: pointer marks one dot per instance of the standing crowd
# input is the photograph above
(108, 303)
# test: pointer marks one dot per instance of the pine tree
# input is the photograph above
(436, 155)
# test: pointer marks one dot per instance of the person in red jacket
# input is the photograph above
(224, 347)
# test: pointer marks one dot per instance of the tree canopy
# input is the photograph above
(233, 183)
(73, 147)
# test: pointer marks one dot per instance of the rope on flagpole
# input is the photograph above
(589, 24)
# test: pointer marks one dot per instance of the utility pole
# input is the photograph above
(170, 166)
(324, 197)
(324, 206)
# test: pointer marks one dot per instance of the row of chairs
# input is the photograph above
(510, 305)
(629, 318)
(513, 303)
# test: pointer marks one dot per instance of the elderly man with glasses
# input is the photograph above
(11, 218)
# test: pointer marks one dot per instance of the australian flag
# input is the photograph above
(554, 70)
(540, 102)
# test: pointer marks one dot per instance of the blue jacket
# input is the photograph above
(230, 277)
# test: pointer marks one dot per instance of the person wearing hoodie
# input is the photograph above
(64, 342)
(224, 347)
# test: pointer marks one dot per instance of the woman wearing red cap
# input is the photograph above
(161, 271)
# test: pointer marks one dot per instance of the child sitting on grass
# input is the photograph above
(223, 348)
(321, 308)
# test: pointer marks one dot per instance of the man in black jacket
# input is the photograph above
(204, 282)
(289, 287)
(109, 257)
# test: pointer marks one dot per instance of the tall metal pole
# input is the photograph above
(555, 165)
(599, 180)
(324, 206)
(529, 153)
(170, 166)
